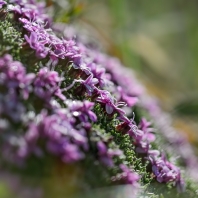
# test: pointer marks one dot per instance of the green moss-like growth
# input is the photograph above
(10, 37)
(124, 142)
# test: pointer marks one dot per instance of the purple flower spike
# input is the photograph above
(62, 128)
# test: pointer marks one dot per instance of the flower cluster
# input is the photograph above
(64, 130)
(46, 84)
(175, 144)
(39, 36)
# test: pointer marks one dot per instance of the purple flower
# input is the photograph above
(128, 126)
(63, 139)
(89, 84)
(30, 27)
(164, 170)
(15, 8)
(106, 99)
(83, 68)
(144, 125)
(64, 130)
(60, 137)
(98, 73)
(64, 49)
(2, 3)
(46, 84)
(130, 100)
(143, 137)
(13, 76)
(71, 153)
(26, 85)
(33, 10)
(106, 155)
(153, 153)
(82, 110)
(37, 44)
(129, 176)
(12, 72)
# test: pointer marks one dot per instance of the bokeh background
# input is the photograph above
(157, 39)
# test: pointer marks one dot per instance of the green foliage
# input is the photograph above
(124, 142)
(10, 37)
(5, 191)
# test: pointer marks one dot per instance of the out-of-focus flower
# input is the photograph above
(46, 84)
(2, 3)
(106, 155)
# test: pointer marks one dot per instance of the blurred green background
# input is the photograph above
(159, 41)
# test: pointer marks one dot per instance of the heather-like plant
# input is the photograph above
(67, 106)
